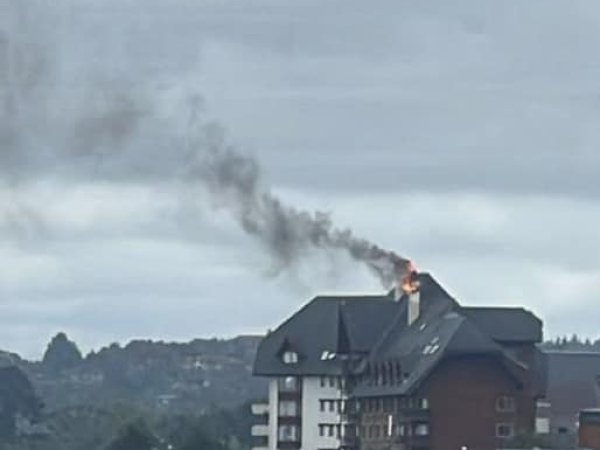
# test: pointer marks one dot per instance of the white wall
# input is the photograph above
(312, 416)
(273, 405)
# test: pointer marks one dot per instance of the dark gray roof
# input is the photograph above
(440, 332)
(323, 325)
(374, 329)
(507, 324)
(572, 385)
(589, 416)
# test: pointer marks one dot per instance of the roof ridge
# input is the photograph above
(491, 308)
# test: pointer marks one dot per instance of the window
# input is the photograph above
(505, 403)
(288, 433)
(387, 405)
(290, 357)
(288, 384)
(323, 379)
(327, 355)
(331, 381)
(330, 430)
(288, 408)
(376, 431)
(504, 430)
(330, 405)
(422, 403)
(402, 403)
(421, 429)
(321, 430)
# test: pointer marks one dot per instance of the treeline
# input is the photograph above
(124, 427)
(140, 396)
(573, 343)
(187, 377)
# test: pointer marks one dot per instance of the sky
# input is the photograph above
(462, 135)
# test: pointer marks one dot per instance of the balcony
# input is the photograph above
(259, 442)
(259, 430)
(260, 409)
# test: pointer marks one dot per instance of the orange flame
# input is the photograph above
(409, 281)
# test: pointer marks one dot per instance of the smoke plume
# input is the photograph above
(287, 233)
(59, 125)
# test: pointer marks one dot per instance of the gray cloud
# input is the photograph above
(103, 130)
(436, 98)
(442, 130)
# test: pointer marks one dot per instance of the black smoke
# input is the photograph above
(109, 128)
(287, 233)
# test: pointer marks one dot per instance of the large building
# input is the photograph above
(410, 370)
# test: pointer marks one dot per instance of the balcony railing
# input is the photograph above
(259, 430)
(260, 409)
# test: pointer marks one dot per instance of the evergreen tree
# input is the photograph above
(61, 354)
(134, 436)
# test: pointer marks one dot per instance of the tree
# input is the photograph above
(17, 397)
(61, 354)
(201, 440)
(134, 436)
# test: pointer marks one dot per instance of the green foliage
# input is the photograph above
(61, 354)
(219, 430)
(134, 436)
(572, 343)
(17, 396)
(200, 439)
(99, 402)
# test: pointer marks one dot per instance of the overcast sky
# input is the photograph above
(463, 135)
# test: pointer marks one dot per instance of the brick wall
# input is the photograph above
(463, 393)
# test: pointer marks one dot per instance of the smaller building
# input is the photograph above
(572, 387)
(589, 429)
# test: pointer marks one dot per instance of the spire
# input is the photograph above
(343, 341)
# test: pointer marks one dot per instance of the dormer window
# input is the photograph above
(287, 353)
(289, 357)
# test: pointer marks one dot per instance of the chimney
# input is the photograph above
(409, 286)
(414, 306)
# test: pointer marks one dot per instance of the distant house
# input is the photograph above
(572, 387)
(410, 370)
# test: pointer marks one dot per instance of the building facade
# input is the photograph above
(410, 370)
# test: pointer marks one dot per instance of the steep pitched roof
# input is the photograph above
(419, 350)
(328, 329)
(507, 324)
(324, 329)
